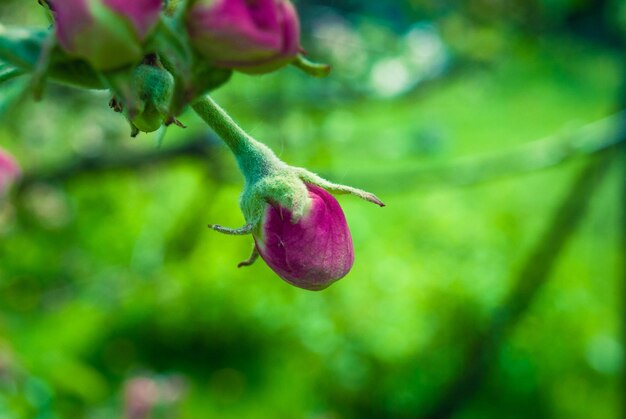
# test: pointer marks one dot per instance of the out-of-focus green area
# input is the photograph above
(112, 289)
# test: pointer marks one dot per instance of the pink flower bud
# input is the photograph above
(9, 171)
(253, 36)
(315, 251)
(107, 33)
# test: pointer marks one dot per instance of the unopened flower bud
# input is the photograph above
(9, 171)
(107, 33)
(313, 252)
(299, 228)
(252, 36)
(154, 88)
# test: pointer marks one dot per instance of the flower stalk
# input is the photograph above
(255, 159)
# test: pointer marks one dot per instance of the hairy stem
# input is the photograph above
(255, 159)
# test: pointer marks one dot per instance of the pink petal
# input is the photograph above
(9, 170)
(312, 253)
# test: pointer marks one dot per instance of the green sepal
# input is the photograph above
(143, 94)
(120, 82)
(311, 68)
(281, 186)
(47, 11)
(170, 7)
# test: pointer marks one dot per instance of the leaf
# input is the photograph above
(8, 72)
(21, 48)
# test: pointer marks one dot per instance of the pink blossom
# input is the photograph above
(107, 33)
(313, 252)
(254, 36)
(143, 14)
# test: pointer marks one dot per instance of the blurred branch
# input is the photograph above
(622, 192)
(622, 220)
(530, 157)
(201, 147)
(484, 349)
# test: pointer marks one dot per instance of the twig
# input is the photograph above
(530, 157)
(527, 158)
(199, 148)
(534, 272)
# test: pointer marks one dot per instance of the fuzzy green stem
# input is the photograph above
(255, 159)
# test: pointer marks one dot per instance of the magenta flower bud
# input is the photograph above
(253, 36)
(9, 171)
(313, 252)
(107, 33)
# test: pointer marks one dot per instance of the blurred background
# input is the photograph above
(491, 286)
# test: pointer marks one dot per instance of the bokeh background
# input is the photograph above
(491, 286)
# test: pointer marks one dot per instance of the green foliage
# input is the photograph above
(109, 275)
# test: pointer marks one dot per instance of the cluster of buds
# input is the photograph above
(159, 56)
(204, 39)
(255, 36)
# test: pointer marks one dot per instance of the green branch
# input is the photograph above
(528, 158)
(254, 158)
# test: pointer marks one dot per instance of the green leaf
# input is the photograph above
(8, 72)
(21, 48)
